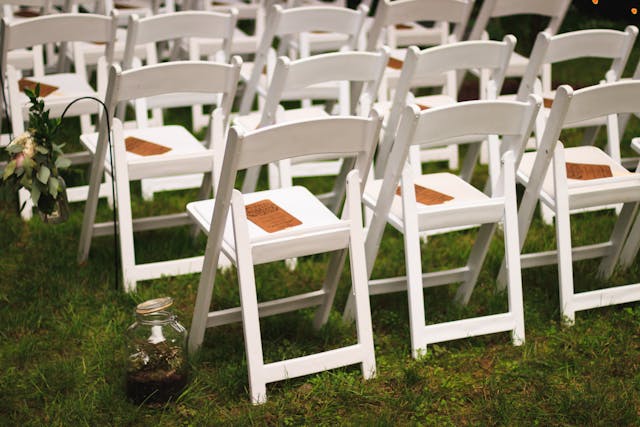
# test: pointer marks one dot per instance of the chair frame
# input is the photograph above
(125, 86)
(348, 136)
(516, 121)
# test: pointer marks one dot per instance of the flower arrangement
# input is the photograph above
(36, 161)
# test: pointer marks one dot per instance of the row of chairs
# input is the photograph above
(325, 229)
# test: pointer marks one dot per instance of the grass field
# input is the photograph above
(62, 330)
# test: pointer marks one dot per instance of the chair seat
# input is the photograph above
(623, 186)
(319, 225)
(412, 33)
(252, 120)
(70, 86)
(178, 139)
(241, 43)
(452, 213)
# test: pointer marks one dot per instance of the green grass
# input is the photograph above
(62, 346)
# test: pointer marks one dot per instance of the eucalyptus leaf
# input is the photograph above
(9, 169)
(53, 184)
(28, 165)
(15, 148)
(63, 162)
(26, 181)
(43, 174)
(42, 150)
(35, 194)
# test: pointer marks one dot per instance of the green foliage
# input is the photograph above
(35, 158)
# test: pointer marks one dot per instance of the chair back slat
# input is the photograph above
(339, 136)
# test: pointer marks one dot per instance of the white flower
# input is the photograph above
(27, 143)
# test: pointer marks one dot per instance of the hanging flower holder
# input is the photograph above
(36, 161)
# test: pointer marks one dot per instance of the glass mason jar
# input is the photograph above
(157, 369)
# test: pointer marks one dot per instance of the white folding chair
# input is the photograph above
(400, 13)
(283, 24)
(443, 200)
(358, 72)
(63, 87)
(148, 32)
(156, 151)
(491, 57)
(581, 177)
(181, 27)
(310, 229)
(250, 13)
(549, 50)
(555, 10)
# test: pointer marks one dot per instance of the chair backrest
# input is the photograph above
(607, 44)
(351, 67)
(285, 23)
(395, 12)
(66, 27)
(337, 136)
(425, 65)
(166, 78)
(555, 10)
(178, 25)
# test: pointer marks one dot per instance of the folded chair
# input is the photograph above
(491, 57)
(554, 10)
(156, 151)
(443, 200)
(58, 89)
(358, 72)
(283, 25)
(581, 177)
(235, 224)
(392, 14)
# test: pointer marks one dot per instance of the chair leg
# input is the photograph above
(590, 135)
(620, 232)
(415, 293)
(251, 179)
(565, 260)
(334, 271)
(513, 267)
(249, 305)
(631, 246)
(476, 260)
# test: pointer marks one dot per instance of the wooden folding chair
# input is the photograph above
(156, 151)
(443, 200)
(581, 177)
(490, 57)
(392, 17)
(299, 225)
(283, 25)
(359, 73)
(554, 10)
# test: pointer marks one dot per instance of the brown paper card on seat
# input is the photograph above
(45, 89)
(26, 13)
(423, 107)
(403, 27)
(270, 217)
(125, 6)
(427, 196)
(395, 63)
(547, 102)
(142, 147)
(585, 171)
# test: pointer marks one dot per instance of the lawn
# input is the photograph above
(62, 334)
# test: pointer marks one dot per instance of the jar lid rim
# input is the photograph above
(153, 305)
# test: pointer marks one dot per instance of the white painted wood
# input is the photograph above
(229, 231)
(561, 194)
(186, 154)
(513, 121)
